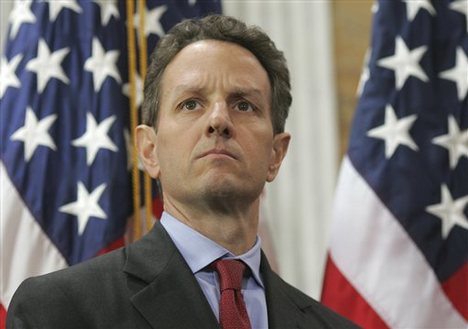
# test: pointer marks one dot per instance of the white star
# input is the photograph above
(139, 90)
(56, 6)
(405, 63)
(20, 14)
(413, 7)
(152, 21)
(48, 65)
(454, 141)
(108, 10)
(394, 132)
(95, 137)
(85, 206)
(102, 64)
(458, 73)
(450, 212)
(34, 133)
(192, 2)
(462, 7)
(8, 77)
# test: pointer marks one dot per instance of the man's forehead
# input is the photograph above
(193, 68)
(211, 49)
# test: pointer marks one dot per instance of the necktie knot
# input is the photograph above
(230, 273)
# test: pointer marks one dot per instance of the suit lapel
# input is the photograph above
(164, 289)
(284, 309)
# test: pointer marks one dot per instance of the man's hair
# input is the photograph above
(222, 28)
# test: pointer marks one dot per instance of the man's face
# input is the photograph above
(214, 138)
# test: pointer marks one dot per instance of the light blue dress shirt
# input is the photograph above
(199, 251)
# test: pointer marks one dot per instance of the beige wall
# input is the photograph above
(5, 7)
(351, 24)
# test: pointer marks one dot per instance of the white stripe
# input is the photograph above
(382, 262)
(25, 250)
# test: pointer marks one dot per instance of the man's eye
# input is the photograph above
(244, 107)
(189, 105)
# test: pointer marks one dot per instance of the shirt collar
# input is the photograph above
(200, 251)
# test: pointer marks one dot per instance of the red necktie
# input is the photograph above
(232, 311)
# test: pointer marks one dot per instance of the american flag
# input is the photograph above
(65, 185)
(399, 249)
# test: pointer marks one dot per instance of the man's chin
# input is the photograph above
(231, 191)
(222, 186)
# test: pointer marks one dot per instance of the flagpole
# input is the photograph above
(143, 66)
(133, 120)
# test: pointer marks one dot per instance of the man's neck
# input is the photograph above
(234, 230)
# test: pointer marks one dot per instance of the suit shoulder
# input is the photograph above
(93, 272)
(308, 305)
(72, 292)
(40, 302)
(60, 289)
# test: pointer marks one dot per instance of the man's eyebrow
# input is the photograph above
(236, 92)
(246, 92)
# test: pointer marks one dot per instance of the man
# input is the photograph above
(217, 95)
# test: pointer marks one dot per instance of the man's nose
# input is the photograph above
(220, 122)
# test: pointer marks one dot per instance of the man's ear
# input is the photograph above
(146, 146)
(278, 152)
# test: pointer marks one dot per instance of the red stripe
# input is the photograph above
(114, 245)
(340, 295)
(2, 317)
(456, 289)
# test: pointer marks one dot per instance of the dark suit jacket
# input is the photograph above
(147, 285)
